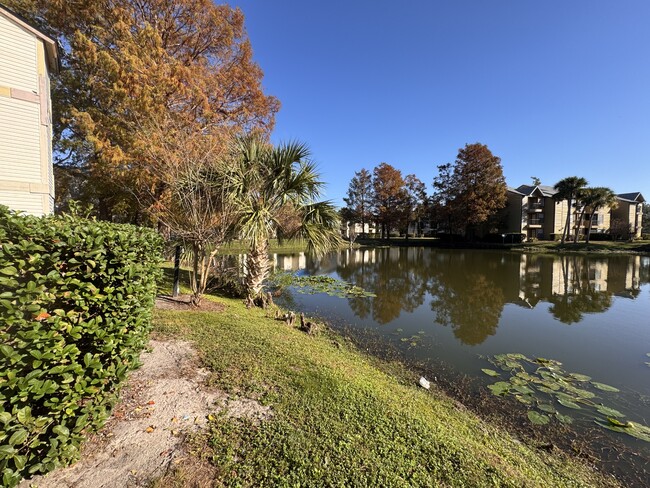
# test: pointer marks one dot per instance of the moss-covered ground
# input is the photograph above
(341, 418)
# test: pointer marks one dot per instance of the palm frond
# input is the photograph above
(320, 227)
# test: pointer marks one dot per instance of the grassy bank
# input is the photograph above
(595, 247)
(339, 419)
(275, 246)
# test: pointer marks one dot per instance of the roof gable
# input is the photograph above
(543, 190)
(51, 52)
(634, 197)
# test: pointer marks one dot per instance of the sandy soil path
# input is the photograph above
(163, 402)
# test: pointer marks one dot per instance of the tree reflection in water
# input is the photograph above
(396, 275)
(468, 289)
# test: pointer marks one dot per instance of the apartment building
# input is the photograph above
(534, 211)
(629, 213)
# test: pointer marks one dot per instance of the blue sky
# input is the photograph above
(555, 88)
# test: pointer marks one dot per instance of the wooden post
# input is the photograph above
(177, 271)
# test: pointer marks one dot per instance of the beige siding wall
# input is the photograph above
(607, 219)
(20, 141)
(26, 173)
(17, 57)
(30, 203)
(558, 216)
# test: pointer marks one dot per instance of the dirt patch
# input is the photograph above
(182, 302)
(163, 402)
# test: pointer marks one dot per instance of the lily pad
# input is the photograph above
(516, 355)
(524, 376)
(608, 426)
(568, 403)
(500, 388)
(512, 364)
(525, 399)
(604, 387)
(518, 381)
(545, 407)
(639, 431)
(523, 389)
(538, 418)
(579, 377)
(551, 386)
(609, 412)
(548, 362)
(548, 376)
(532, 381)
(490, 372)
(618, 423)
(545, 389)
(580, 393)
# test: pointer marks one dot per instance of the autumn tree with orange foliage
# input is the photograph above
(390, 198)
(128, 62)
(473, 189)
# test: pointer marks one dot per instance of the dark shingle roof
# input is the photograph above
(547, 191)
(635, 197)
(512, 190)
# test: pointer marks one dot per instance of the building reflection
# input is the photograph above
(289, 262)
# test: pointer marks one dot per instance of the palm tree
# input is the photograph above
(595, 199)
(567, 189)
(275, 191)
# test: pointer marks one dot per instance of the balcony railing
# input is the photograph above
(535, 221)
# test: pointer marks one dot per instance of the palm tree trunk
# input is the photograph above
(591, 221)
(579, 224)
(257, 268)
(567, 225)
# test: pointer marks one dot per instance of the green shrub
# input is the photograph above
(75, 311)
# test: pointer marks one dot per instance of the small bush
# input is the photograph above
(75, 311)
(600, 236)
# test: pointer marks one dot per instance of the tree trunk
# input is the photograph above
(579, 224)
(195, 274)
(567, 225)
(257, 268)
(591, 221)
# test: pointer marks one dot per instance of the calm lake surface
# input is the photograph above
(458, 306)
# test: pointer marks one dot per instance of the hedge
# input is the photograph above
(76, 297)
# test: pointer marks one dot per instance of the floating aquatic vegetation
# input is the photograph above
(319, 284)
(544, 387)
(413, 340)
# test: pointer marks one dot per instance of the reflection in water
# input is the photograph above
(396, 275)
(468, 289)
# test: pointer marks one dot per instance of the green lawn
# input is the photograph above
(340, 418)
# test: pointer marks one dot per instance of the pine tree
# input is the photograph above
(359, 199)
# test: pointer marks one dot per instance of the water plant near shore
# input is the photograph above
(319, 284)
(542, 384)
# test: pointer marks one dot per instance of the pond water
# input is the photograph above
(592, 314)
